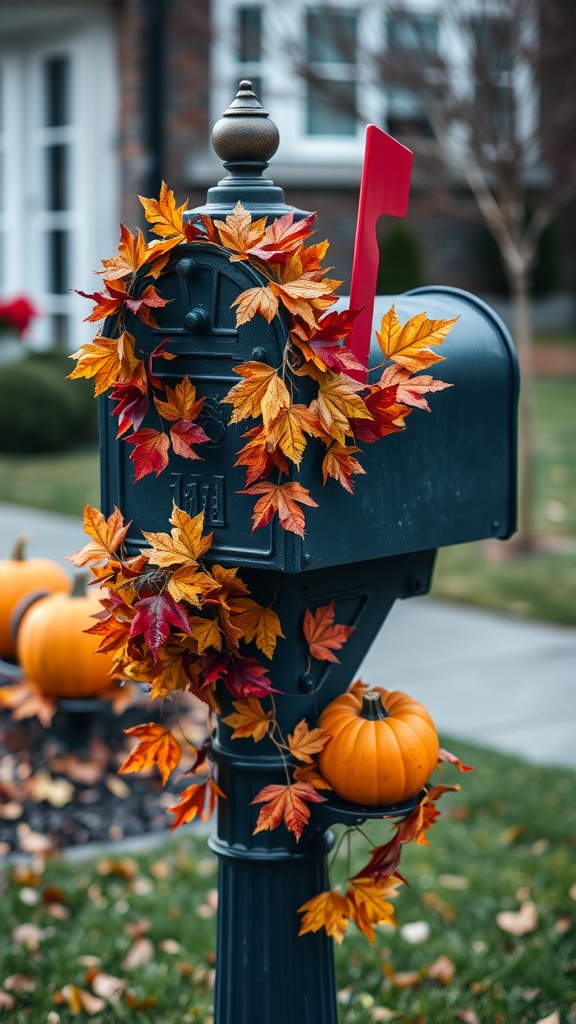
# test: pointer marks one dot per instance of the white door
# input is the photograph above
(58, 171)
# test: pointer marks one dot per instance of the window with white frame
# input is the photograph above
(407, 33)
(59, 167)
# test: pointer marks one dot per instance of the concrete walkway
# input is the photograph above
(501, 682)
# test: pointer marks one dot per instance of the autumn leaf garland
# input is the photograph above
(343, 411)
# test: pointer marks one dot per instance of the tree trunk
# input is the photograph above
(526, 536)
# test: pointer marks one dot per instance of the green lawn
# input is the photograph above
(61, 482)
(507, 839)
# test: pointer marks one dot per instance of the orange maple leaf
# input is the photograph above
(249, 719)
(339, 463)
(409, 344)
(107, 536)
(255, 300)
(206, 633)
(198, 799)
(246, 397)
(304, 742)
(288, 804)
(181, 402)
(322, 635)
(108, 360)
(282, 236)
(275, 399)
(239, 232)
(156, 746)
(257, 623)
(257, 456)
(281, 499)
(303, 297)
(132, 255)
(165, 217)
(309, 773)
(329, 910)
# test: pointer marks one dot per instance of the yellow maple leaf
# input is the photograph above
(184, 545)
(408, 345)
(305, 742)
(370, 903)
(132, 255)
(206, 633)
(107, 535)
(275, 398)
(329, 910)
(246, 397)
(337, 403)
(257, 623)
(289, 429)
(108, 361)
(249, 719)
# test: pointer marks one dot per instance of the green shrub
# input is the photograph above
(41, 411)
(400, 262)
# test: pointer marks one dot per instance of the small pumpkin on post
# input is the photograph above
(383, 746)
(56, 653)
(18, 576)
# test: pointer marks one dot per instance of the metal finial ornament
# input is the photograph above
(245, 135)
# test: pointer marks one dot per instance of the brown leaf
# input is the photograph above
(442, 970)
(468, 1016)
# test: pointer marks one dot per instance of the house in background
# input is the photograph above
(101, 99)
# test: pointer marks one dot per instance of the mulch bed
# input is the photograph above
(59, 786)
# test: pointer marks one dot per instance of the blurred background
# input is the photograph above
(102, 99)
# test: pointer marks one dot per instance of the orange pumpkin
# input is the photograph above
(382, 749)
(19, 576)
(55, 652)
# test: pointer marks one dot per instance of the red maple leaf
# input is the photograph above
(282, 237)
(245, 678)
(151, 452)
(387, 415)
(131, 399)
(280, 498)
(288, 804)
(183, 435)
(153, 618)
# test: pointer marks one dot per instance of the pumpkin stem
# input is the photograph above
(18, 549)
(372, 707)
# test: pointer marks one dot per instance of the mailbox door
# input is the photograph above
(199, 324)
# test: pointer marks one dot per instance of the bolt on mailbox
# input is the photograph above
(449, 478)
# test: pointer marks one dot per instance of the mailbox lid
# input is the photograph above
(450, 476)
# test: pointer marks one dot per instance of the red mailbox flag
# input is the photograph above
(384, 191)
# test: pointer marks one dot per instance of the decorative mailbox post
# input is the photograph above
(449, 478)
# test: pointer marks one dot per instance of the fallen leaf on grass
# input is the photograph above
(519, 922)
(30, 935)
(78, 999)
(442, 970)
(468, 1016)
(381, 1013)
(415, 932)
(454, 881)
(106, 985)
(572, 891)
(402, 979)
(139, 954)
(32, 842)
(553, 1018)
(19, 983)
(6, 1001)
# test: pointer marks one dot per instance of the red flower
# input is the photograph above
(17, 313)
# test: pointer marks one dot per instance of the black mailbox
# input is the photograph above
(450, 477)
